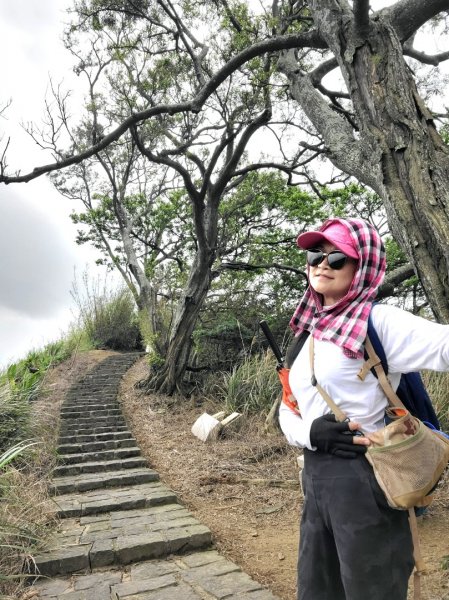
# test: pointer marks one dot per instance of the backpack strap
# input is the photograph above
(377, 344)
(370, 363)
(381, 375)
(339, 414)
(295, 347)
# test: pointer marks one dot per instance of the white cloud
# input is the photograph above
(20, 334)
(34, 270)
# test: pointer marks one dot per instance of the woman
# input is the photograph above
(353, 546)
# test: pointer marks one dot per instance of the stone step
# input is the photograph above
(97, 481)
(99, 455)
(194, 576)
(95, 437)
(91, 407)
(88, 396)
(97, 405)
(65, 450)
(107, 377)
(121, 538)
(99, 383)
(94, 421)
(73, 432)
(91, 413)
(94, 386)
(106, 466)
(93, 393)
(113, 499)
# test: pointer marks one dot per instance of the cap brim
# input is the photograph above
(312, 239)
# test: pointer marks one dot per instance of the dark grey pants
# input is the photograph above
(353, 546)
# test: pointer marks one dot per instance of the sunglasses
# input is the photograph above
(335, 259)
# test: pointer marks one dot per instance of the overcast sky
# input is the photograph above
(37, 248)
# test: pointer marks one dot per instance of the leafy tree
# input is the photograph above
(205, 154)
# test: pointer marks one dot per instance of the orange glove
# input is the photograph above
(287, 397)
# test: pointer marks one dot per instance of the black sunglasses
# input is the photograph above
(335, 259)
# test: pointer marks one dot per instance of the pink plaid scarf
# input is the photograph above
(346, 322)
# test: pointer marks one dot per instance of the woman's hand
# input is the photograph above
(340, 438)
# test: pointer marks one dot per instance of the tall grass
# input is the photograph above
(250, 388)
(22, 520)
(21, 382)
(437, 385)
(25, 465)
(107, 316)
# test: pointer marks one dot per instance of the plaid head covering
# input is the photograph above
(346, 322)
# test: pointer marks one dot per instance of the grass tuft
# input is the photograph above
(252, 387)
(108, 317)
(437, 385)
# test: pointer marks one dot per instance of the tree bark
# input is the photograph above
(397, 150)
(169, 378)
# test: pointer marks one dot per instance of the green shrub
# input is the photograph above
(252, 387)
(108, 317)
(14, 417)
(20, 384)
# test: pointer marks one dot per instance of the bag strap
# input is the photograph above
(339, 414)
(420, 566)
(377, 344)
(295, 347)
(384, 383)
(395, 402)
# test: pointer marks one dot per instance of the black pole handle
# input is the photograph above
(273, 344)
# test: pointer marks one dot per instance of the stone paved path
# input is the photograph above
(122, 533)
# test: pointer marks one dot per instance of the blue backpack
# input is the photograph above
(411, 390)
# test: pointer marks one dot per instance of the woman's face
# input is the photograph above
(333, 284)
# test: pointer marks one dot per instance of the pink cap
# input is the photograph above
(335, 233)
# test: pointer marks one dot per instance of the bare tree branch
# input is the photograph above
(271, 45)
(322, 70)
(338, 135)
(393, 279)
(427, 59)
(407, 16)
(240, 266)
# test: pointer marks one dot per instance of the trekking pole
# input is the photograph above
(283, 372)
(273, 344)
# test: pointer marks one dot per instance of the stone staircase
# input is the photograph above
(122, 534)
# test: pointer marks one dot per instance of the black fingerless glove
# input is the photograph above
(334, 437)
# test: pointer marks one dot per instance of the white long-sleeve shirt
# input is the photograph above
(410, 344)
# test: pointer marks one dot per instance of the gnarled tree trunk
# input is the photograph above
(169, 378)
(397, 150)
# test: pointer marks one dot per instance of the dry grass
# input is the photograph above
(437, 385)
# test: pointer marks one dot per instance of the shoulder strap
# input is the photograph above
(339, 414)
(379, 353)
(381, 376)
(295, 347)
(377, 344)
